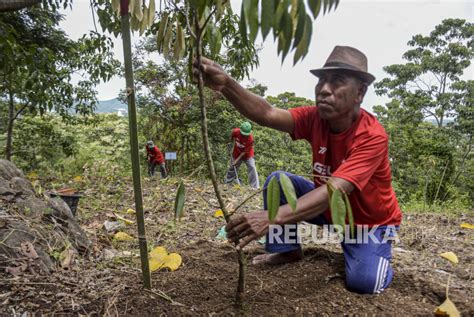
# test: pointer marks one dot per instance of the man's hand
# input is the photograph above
(212, 73)
(248, 227)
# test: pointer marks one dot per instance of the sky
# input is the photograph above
(379, 28)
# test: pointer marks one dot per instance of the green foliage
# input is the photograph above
(273, 198)
(430, 162)
(41, 143)
(289, 21)
(340, 208)
(37, 61)
(179, 201)
(55, 149)
(289, 191)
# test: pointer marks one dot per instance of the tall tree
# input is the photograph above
(38, 60)
(429, 88)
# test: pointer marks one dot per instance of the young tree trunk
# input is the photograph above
(210, 163)
(11, 120)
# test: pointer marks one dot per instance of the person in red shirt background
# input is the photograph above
(350, 148)
(243, 152)
(155, 157)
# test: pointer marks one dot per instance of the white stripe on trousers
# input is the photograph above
(377, 276)
(381, 274)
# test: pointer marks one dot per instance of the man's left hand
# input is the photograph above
(245, 228)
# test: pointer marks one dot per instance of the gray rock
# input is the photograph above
(8, 170)
(60, 209)
(33, 207)
(22, 186)
(13, 235)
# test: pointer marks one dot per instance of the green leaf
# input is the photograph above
(286, 33)
(177, 42)
(144, 21)
(251, 14)
(328, 4)
(219, 9)
(243, 24)
(161, 31)
(280, 10)
(349, 213)
(215, 42)
(267, 14)
(116, 6)
(303, 46)
(330, 190)
(167, 39)
(338, 209)
(181, 42)
(288, 190)
(131, 7)
(301, 18)
(273, 198)
(315, 6)
(138, 13)
(151, 12)
(179, 201)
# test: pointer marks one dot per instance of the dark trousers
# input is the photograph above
(152, 166)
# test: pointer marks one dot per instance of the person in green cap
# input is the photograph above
(243, 152)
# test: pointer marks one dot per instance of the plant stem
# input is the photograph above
(132, 119)
(210, 163)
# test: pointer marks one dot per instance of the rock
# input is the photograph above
(14, 236)
(77, 236)
(68, 224)
(113, 226)
(6, 192)
(46, 222)
(22, 186)
(60, 209)
(8, 170)
(33, 207)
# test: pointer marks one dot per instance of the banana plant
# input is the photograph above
(187, 29)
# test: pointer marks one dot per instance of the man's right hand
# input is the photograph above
(212, 73)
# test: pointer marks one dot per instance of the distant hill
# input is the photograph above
(112, 106)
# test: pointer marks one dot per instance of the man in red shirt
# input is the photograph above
(350, 148)
(155, 157)
(243, 152)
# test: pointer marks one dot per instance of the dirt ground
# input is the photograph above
(205, 283)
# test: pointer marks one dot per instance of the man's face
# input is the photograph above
(337, 94)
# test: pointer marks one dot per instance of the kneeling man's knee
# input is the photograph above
(364, 278)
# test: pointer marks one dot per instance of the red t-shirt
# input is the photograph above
(155, 155)
(243, 143)
(358, 155)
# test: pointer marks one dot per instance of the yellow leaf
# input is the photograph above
(466, 225)
(77, 179)
(122, 236)
(125, 220)
(155, 264)
(447, 308)
(130, 211)
(172, 261)
(159, 258)
(451, 256)
(158, 253)
(32, 175)
(218, 213)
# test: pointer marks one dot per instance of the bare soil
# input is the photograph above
(205, 283)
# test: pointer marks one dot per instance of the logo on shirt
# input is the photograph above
(321, 169)
(322, 149)
(240, 145)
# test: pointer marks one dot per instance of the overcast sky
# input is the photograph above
(379, 28)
